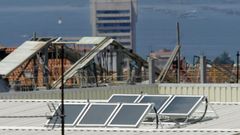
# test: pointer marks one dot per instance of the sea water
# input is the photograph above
(208, 27)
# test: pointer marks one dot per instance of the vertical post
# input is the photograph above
(119, 65)
(35, 72)
(62, 88)
(95, 73)
(111, 61)
(178, 57)
(139, 72)
(34, 36)
(151, 72)
(202, 69)
(129, 70)
(178, 34)
(45, 67)
(237, 66)
(176, 71)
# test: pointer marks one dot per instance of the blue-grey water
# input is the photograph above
(208, 27)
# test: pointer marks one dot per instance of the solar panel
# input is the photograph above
(130, 115)
(72, 113)
(124, 98)
(159, 101)
(98, 114)
(181, 105)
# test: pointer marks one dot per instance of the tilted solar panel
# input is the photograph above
(130, 115)
(73, 111)
(98, 114)
(159, 101)
(124, 98)
(181, 105)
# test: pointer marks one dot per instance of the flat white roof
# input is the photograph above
(227, 123)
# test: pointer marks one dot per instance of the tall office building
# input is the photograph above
(115, 19)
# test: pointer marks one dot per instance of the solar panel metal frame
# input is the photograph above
(126, 96)
(77, 118)
(97, 125)
(159, 110)
(182, 114)
(139, 120)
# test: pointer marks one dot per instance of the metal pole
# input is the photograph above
(151, 70)
(178, 43)
(34, 36)
(202, 69)
(62, 88)
(178, 34)
(237, 66)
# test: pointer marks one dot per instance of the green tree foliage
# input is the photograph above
(224, 58)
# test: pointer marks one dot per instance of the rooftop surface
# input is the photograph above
(28, 117)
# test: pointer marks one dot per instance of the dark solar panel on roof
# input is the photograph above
(98, 114)
(72, 113)
(129, 115)
(158, 100)
(124, 98)
(181, 105)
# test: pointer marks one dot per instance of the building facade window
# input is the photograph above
(113, 18)
(123, 37)
(113, 24)
(112, 11)
(126, 43)
(116, 19)
(114, 31)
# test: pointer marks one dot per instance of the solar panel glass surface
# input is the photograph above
(72, 114)
(130, 115)
(181, 105)
(158, 100)
(123, 98)
(98, 114)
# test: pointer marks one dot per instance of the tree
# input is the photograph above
(224, 58)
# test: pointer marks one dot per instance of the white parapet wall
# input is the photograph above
(215, 92)
(82, 93)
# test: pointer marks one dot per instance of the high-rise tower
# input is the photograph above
(115, 19)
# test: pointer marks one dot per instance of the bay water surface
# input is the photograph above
(208, 27)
